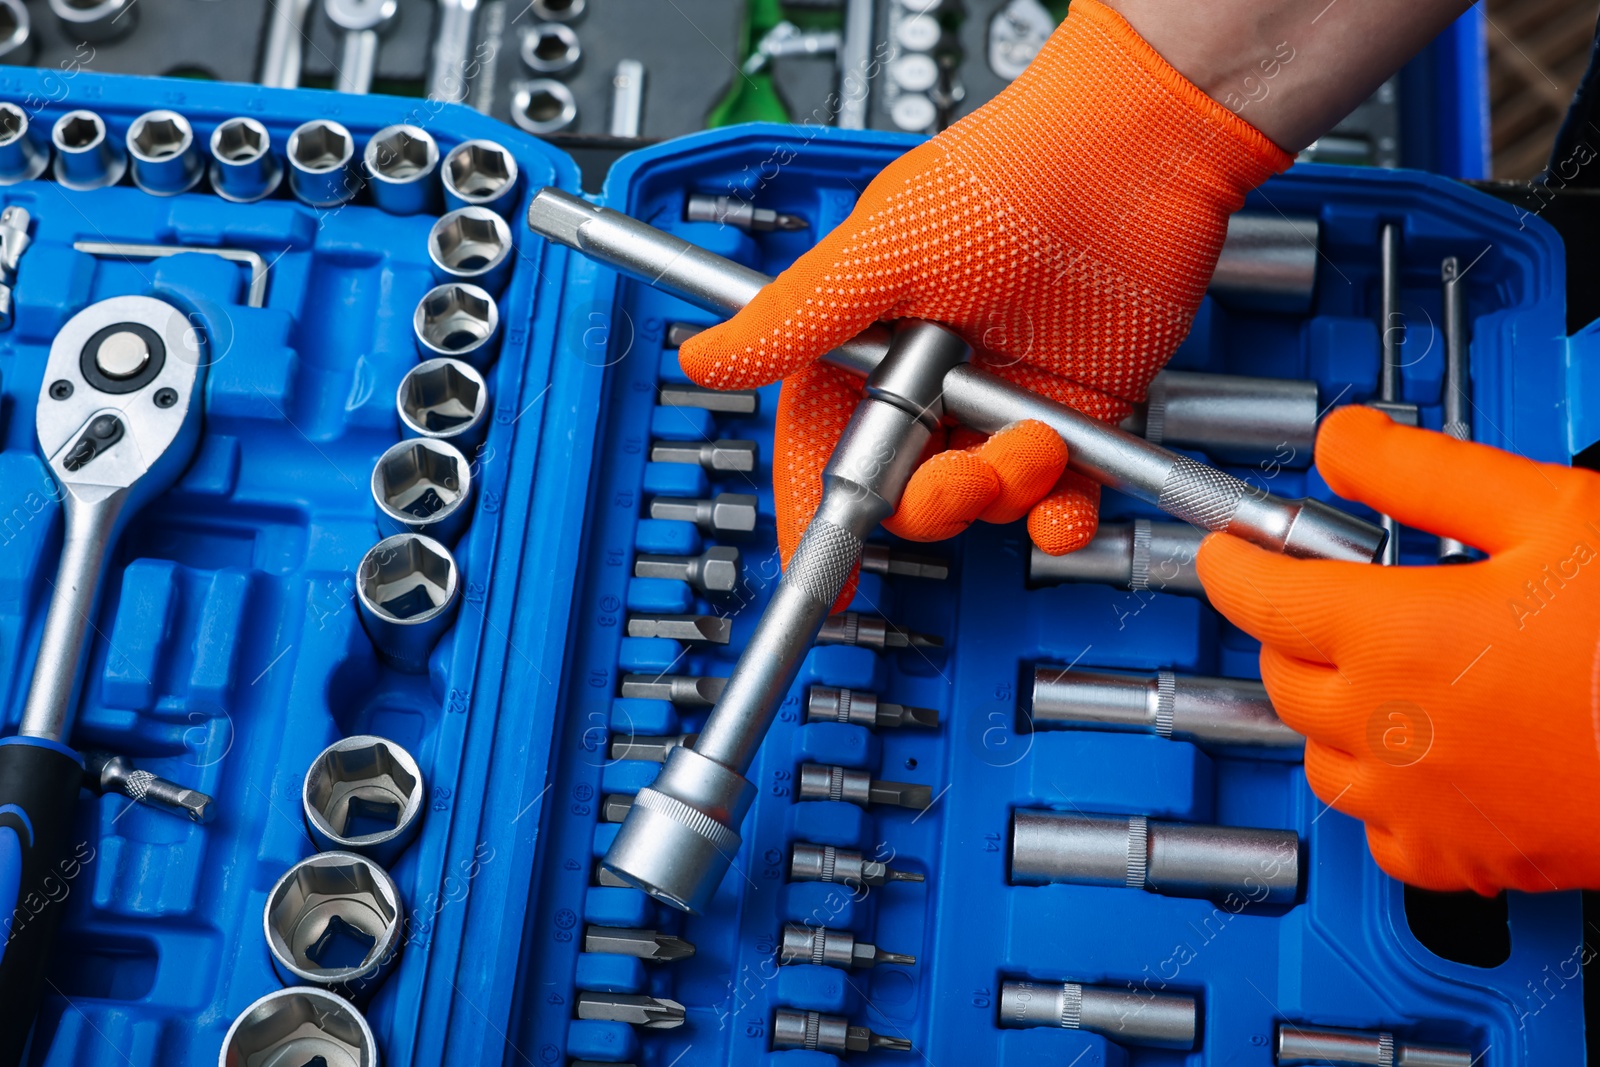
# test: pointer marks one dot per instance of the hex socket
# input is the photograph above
(363, 794)
(302, 1024)
(543, 106)
(1152, 1020)
(22, 158)
(401, 164)
(319, 154)
(407, 591)
(95, 21)
(480, 173)
(161, 147)
(1268, 263)
(471, 244)
(1174, 859)
(550, 48)
(457, 320)
(445, 399)
(423, 485)
(17, 42)
(1232, 418)
(334, 920)
(1216, 711)
(243, 167)
(1140, 556)
(86, 158)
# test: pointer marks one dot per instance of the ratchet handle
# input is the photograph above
(39, 783)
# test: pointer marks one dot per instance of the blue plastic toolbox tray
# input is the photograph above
(229, 652)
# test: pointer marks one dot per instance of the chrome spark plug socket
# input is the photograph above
(402, 165)
(471, 244)
(445, 399)
(334, 920)
(86, 158)
(22, 157)
(459, 321)
(161, 146)
(363, 794)
(423, 485)
(319, 164)
(407, 589)
(243, 168)
(299, 1025)
(480, 174)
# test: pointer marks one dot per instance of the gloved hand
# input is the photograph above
(1067, 229)
(1454, 709)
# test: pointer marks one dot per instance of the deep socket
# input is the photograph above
(1335, 1046)
(445, 399)
(402, 164)
(95, 21)
(423, 485)
(22, 158)
(1206, 711)
(550, 48)
(334, 920)
(363, 794)
(1267, 263)
(1140, 556)
(319, 154)
(243, 166)
(163, 153)
(543, 106)
(1231, 418)
(457, 320)
(479, 173)
(85, 156)
(1125, 1016)
(302, 1024)
(471, 244)
(407, 590)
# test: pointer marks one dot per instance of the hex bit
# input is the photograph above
(649, 749)
(825, 781)
(828, 1033)
(833, 948)
(712, 572)
(870, 631)
(107, 772)
(706, 629)
(724, 513)
(715, 457)
(614, 808)
(606, 879)
(827, 704)
(653, 1013)
(825, 863)
(682, 690)
(646, 944)
(1221, 711)
(1299, 1045)
(721, 401)
(679, 332)
(881, 559)
(733, 211)
(1127, 1016)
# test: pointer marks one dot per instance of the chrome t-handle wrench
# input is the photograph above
(117, 420)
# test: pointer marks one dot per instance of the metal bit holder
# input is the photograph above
(108, 772)
(833, 948)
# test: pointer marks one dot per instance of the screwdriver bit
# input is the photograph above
(723, 513)
(723, 401)
(706, 207)
(832, 948)
(710, 629)
(654, 1013)
(651, 749)
(827, 704)
(714, 456)
(825, 863)
(716, 570)
(682, 689)
(645, 944)
(828, 1033)
(614, 807)
(679, 332)
(870, 631)
(881, 559)
(603, 877)
(107, 772)
(823, 781)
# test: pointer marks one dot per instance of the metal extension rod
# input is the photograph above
(1457, 382)
(1181, 486)
(1392, 335)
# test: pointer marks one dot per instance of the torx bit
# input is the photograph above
(722, 514)
(827, 704)
(722, 401)
(712, 572)
(733, 211)
(870, 631)
(650, 749)
(614, 807)
(825, 863)
(715, 456)
(646, 944)
(832, 948)
(653, 1013)
(682, 689)
(679, 332)
(828, 1033)
(881, 559)
(824, 781)
(709, 629)
(107, 772)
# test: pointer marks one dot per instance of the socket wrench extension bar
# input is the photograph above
(1457, 398)
(1215, 711)
(1180, 486)
(1126, 1016)
(1324, 1045)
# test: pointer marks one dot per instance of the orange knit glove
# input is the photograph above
(1454, 709)
(1067, 229)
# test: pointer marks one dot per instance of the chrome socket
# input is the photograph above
(22, 159)
(480, 174)
(407, 590)
(17, 42)
(86, 158)
(543, 106)
(471, 244)
(423, 485)
(243, 168)
(558, 10)
(458, 321)
(161, 146)
(550, 48)
(363, 794)
(1126, 1016)
(334, 920)
(401, 162)
(1183, 707)
(444, 399)
(299, 1025)
(319, 154)
(95, 21)
(1140, 556)
(1302, 1045)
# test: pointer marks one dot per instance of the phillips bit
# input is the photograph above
(703, 207)
(709, 629)
(870, 631)
(645, 944)
(881, 559)
(715, 456)
(723, 401)
(832, 948)
(825, 863)
(722, 514)
(106, 772)
(683, 690)
(679, 332)
(828, 1033)
(823, 781)
(654, 1013)
(714, 571)
(614, 807)
(650, 749)
(827, 704)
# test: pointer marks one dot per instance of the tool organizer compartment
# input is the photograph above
(1340, 955)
